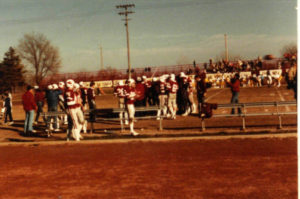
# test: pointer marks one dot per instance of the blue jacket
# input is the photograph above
(52, 97)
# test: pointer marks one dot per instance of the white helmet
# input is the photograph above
(55, 86)
(154, 79)
(81, 84)
(36, 87)
(172, 77)
(76, 86)
(61, 84)
(182, 74)
(162, 78)
(70, 83)
(144, 77)
(50, 87)
(138, 79)
(131, 81)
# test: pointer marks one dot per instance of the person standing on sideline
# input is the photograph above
(172, 86)
(52, 96)
(129, 101)
(91, 100)
(8, 107)
(73, 109)
(39, 97)
(235, 90)
(119, 92)
(201, 88)
(29, 106)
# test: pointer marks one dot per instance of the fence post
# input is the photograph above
(279, 116)
(160, 124)
(203, 124)
(244, 117)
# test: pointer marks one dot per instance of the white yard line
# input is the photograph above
(222, 90)
(287, 108)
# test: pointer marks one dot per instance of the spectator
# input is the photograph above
(140, 91)
(91, 97)
(8, 109)
(52, 96)
(39, 97)
(201, 88)
(29, 106)
(235, 90)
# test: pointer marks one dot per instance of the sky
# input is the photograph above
(161, 32)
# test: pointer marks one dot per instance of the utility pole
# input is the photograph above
(226, 48)
(126, 12)
(101, 59)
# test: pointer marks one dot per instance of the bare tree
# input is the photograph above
(289, 49)
(36, 50)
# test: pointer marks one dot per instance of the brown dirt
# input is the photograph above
(231, 168)
(197, 168)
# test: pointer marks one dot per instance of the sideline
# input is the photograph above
(127, 140)
(282, 99)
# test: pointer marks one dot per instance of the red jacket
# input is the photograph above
(235, 86)
(39, 96)
(28, 101)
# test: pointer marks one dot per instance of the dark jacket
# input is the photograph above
(52, 97)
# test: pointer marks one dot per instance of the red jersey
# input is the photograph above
(119, 91)
(172, 86)
(140, 91)
(162, 88)
(130, 95)
(71, 99)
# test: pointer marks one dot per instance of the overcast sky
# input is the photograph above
(162, 32)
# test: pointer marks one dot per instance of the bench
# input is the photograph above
(112, 114)
(244, 108)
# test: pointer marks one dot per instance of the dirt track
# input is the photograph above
(231, 168)
(237, 167)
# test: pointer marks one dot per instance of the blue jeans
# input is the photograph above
(28, 121)
(234, 100)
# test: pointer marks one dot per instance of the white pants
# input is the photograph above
(172, 104)
(78, 120)
(163, 99)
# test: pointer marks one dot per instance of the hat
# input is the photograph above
(29, 87)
